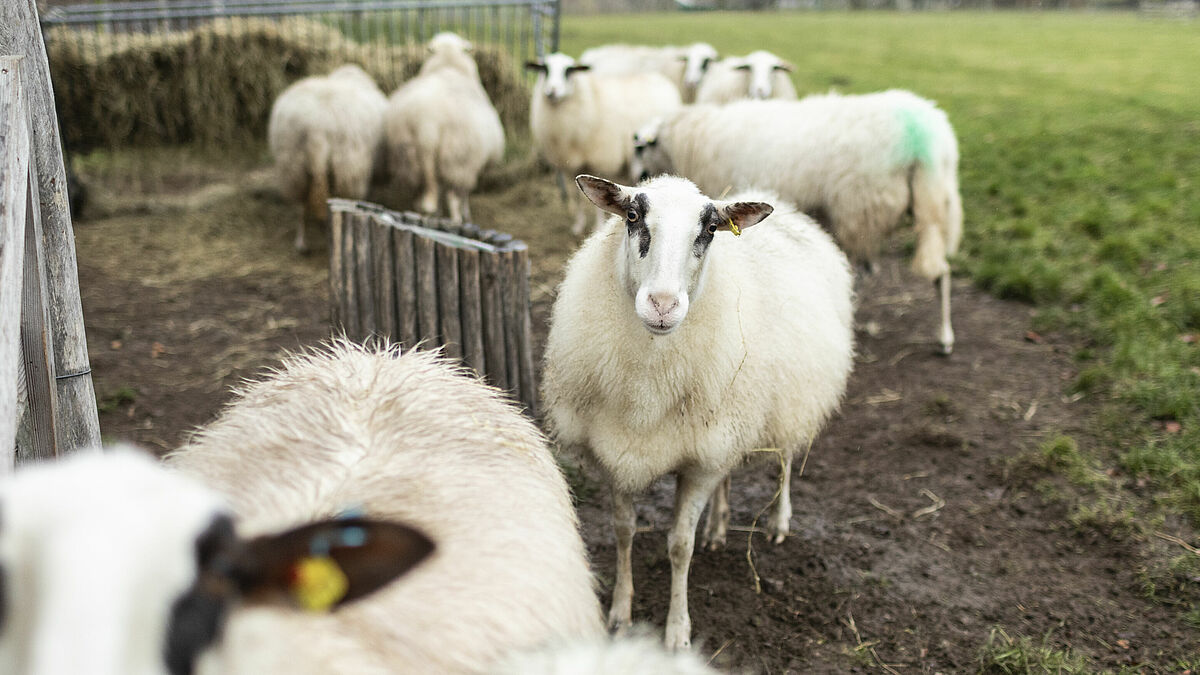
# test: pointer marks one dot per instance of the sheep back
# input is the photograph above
(849, 156)
(402, 437)
(623, 59)
(445, 114)
(761, 360)
(327, 126)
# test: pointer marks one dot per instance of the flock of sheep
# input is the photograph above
(692, 329)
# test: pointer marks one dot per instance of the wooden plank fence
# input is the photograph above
(47, 401)
(425, 281)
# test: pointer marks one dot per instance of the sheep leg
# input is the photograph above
(717, 523)
(947, 332)
(465, 199)
(781, 518)
(620, 615)
(455, 206)
(429, 198)
(314, 208)
(692, 489)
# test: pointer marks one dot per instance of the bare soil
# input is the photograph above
(912, 539)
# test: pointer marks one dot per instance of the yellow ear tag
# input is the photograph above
(734, 229)
(318, 583)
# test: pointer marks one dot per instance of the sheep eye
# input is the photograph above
(712, 229)
(631, 216)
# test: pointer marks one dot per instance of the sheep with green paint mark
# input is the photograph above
(860, 162)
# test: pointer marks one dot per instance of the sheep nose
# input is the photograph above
(643, 176)
(664, 302)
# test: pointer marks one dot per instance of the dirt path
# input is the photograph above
(909, 544)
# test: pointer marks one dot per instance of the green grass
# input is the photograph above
(1080, 172)
(1006, 655)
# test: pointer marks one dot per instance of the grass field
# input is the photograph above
(1080, 145)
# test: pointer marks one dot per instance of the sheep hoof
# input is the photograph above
(619, 625)
(946, 344)
(678, 638)
(778, 531)
(714, 543)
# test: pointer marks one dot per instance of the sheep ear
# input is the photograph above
(737, 216)
(326, 564)
(536, 65)
(605, 194)
(785, 65)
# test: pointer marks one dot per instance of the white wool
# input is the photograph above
(861, 161)
(326, 134)
(737, 374)
(617, 656)
(758, 75)
(400, 437)
(583, 122)
(442, 129)
(683, 66)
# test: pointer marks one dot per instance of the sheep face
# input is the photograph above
(649, 157)
(761, 67)
(669, 226)
(698, 56)
(556, 70)
(114, 565)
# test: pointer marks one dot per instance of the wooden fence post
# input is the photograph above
(14, 186)
(76, 415)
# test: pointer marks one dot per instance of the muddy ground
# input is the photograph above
(914, 540)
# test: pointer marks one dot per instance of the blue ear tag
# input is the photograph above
(353, 537)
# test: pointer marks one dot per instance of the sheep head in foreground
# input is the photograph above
(136, 571)
(662, 272)
(689, 333)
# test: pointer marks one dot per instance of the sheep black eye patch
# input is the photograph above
(640, 204)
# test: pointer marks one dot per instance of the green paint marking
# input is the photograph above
(916, 140)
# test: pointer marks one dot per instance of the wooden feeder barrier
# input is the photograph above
(426, 282)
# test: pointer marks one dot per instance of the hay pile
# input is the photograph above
(214, 85)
